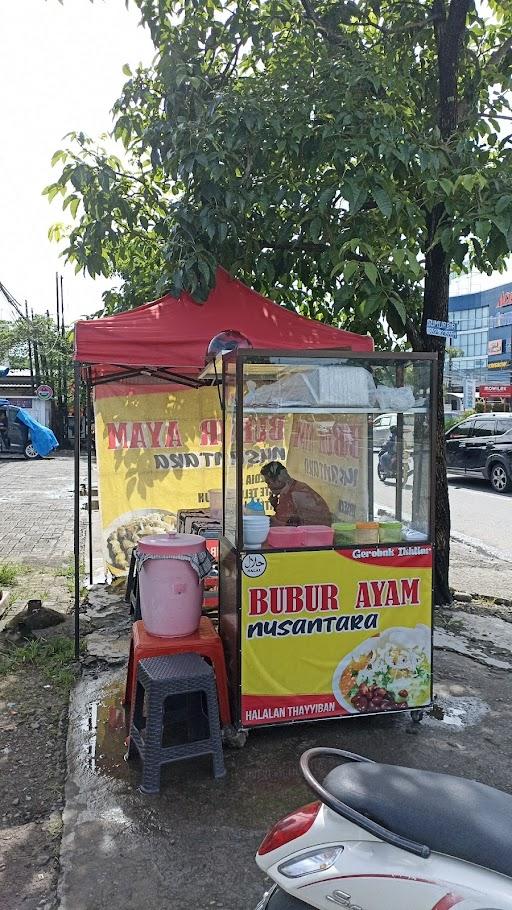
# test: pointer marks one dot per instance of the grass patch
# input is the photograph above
(55, 659)
(68, 572)
(9, 573)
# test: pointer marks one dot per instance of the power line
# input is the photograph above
(13, 302)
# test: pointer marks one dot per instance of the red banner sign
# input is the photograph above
(495, 391)
(505, 299)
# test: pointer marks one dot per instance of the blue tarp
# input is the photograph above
(42, 438)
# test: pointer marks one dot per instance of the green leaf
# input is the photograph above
(57, 156)
(447, 185)
(325, 198)
(398, 305)
(371, 305)
(467, 181)
(104, 181)
(371, 272)
(414, 265)
(502, 222)
(52, 192)
(504, 202)
(126, 70)
(73, 206)
(399, 257)
(383, 201)
(314, 229)
(349, 268)
(482, 229)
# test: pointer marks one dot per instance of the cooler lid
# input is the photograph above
(171, 544)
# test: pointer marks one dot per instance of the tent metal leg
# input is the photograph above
(77, 423)
(89, 472)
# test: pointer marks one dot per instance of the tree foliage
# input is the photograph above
(51, 351)
(341, 156)
(300, 146)
(13, 346)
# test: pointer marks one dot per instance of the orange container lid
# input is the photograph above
(367, 525)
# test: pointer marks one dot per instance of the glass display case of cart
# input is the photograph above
(327, 449)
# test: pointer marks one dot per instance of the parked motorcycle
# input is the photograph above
(383, 837)
(386, 466)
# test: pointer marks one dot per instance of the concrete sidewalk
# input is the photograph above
(476, 569)
(193, 845)
(36, 510)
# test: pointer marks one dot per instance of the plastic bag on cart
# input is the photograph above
(330, 386)
(391, 399)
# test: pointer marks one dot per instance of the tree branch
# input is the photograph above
(413, 334)
(331, 36)
(501, 52)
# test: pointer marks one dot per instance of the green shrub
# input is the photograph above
(450, 422)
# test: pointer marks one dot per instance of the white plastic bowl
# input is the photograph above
(256, 528)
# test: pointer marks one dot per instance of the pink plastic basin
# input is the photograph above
(285, 537)
(317, 536)
(171, 594)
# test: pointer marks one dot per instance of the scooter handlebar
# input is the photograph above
(352, 815)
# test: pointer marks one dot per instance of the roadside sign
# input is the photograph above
(441, 329)
(469, 394)
(44, 392)
(495, 391)
(499, 364)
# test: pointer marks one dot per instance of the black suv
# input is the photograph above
(481, 446)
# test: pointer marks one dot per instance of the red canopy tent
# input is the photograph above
(173, 334)
(168, 339)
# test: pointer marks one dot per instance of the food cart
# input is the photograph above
(321, 630)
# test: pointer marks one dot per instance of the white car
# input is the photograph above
(382, 427)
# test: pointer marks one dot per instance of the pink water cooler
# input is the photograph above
(171, 594)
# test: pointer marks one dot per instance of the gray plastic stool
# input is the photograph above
(161, 677)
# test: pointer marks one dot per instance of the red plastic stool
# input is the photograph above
(204, 642)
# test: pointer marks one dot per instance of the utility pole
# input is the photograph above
(59, 394)
(36, 351)
(64, 363)
(57, 300)
(30, 358)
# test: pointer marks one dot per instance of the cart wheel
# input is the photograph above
(416, 717)
(234, 737)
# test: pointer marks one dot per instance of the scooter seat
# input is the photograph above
(451, 815)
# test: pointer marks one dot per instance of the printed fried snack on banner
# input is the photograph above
(122, 540)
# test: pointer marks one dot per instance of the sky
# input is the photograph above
(60, 70)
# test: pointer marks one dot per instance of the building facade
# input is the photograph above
(483, 346)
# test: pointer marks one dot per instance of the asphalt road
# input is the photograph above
(480, 516)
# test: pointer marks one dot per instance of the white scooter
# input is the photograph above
(389, 838)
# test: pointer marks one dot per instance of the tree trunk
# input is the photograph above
(435, 306)
(450, 24)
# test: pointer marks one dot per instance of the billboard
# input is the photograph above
(495, 346)
(495, 391)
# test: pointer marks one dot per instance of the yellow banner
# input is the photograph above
(331, 456)
(159, 452)
(330, 633)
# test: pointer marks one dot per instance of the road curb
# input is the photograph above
(463, 597)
